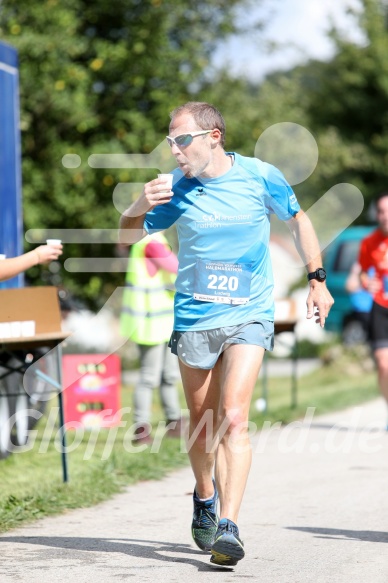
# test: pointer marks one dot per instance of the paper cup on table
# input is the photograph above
(5, 330)
(167, 178)
(16, 329)
(28, 328)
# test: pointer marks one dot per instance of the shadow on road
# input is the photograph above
(340, 534)
(144, 549)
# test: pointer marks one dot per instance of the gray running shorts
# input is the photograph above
(201, 348)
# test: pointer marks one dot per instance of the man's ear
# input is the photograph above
(216, 135)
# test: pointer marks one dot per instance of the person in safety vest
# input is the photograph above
(147, 318)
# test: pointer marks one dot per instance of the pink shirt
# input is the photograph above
(159, 256)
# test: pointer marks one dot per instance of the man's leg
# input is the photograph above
(240, 367)
(151, 358)
(202, 391)
(226, 392)
(202, 394)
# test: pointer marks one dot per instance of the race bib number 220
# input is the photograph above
(226, 283)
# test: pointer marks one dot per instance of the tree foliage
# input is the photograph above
(347, 105)
(342, 102)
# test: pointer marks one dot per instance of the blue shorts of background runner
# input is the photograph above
(201, 348)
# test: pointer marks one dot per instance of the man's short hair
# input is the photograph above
(205, 115)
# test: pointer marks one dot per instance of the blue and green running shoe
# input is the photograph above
(227, 548)
(205, 520)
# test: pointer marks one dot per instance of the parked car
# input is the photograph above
(339, 257)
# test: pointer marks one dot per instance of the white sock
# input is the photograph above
(206, 499)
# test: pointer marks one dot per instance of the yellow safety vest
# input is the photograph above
(147, 315)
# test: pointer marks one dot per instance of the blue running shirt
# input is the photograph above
(225, 274)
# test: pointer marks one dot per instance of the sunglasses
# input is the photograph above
(185, 139)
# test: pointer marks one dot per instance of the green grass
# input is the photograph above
(327, 389)
(31, 482)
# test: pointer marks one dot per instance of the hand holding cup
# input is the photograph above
(49, 252)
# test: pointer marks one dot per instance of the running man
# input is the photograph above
(221, 204)
(374, 256)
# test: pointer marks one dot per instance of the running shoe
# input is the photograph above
(205, 520)
(228, 548)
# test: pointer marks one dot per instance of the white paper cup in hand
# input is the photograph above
(54, 241)
(167, 178)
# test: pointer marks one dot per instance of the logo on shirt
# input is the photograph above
(247, 218)
(200, 192)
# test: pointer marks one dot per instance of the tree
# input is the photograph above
(348, 104)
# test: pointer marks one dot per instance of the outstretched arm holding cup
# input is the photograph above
(43, 254)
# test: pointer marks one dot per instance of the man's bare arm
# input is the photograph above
(132, 220)
(307, 245)
(14, 265)
(131, 228)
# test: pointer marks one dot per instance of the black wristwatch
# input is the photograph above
(319, 274)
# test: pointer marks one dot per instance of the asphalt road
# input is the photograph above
(315, 510)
